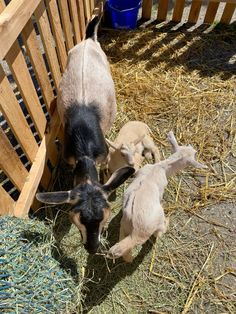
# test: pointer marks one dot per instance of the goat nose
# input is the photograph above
(91, 249)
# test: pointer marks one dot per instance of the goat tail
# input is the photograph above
(92, 27)
(122, 247)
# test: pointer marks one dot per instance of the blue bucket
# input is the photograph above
(123, 13)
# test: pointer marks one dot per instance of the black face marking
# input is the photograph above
(91, 206)
(92, 243)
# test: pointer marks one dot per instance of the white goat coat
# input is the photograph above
(142, 212)
(87, 79)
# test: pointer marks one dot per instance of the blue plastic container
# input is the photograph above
(123, 13)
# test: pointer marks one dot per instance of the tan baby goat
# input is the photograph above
(132, 143)
(143, 214)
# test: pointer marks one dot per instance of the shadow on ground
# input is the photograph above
(210, 52)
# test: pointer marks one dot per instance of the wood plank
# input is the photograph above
(18, 67)
(67, 26)
(178, 10)
(30, 187)
(147, 9)
(46, 177)
(48, 41)
(12, 21)
(36, 59)
(162, 10)
(228, 13)
(87, 10)
(75, 21)
(81, 15)
(10, 162)
(15, 118)
(6, 203)
(211, 12)
(27, 195)
(92, 5)
(194, 11)
(57, 32)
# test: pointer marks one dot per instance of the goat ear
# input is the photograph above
(198, 165)
(111, 144)
(173, 141)
(117, 178)
(139, 139)
(55, 197)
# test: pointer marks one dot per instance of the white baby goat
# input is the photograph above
(143, 214)
(132, 143)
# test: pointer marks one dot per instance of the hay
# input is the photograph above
(32, 281)
(182, 82)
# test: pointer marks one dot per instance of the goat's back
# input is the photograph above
(131, 131)
(86, 80)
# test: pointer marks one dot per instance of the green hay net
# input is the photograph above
(31, 280)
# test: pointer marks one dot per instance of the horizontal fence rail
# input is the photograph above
(35, 37)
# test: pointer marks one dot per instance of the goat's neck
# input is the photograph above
(174, 163)
(85, 170)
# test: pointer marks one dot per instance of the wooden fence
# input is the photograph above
(192, 12)
(35, 37)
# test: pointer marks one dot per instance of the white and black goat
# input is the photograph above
(87, 108)
(143, 214)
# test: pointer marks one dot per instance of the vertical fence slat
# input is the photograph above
(15, 118)
(162, 10)
(92, 5)
(65, 16)
(75, 20)
(10, 162)
(6, 203)
(211, 12)
(57, 31)
(52, 153)
(46, 177)
(30, 187)
(87, 10)
(194, 11)
(18, 67)
(178, 10)
(80, 6)
(33, 51)
(147, 9)
(228, 13)
(48, 41)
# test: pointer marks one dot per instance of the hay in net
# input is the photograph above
(31, 280)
